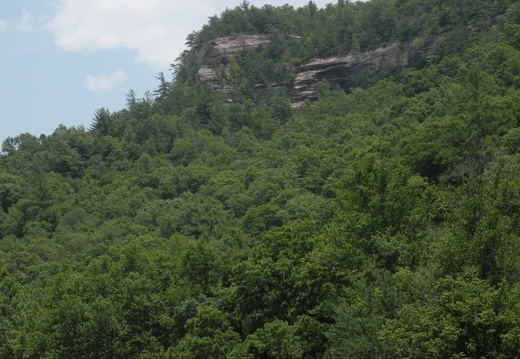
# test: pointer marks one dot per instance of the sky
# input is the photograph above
(60, 60)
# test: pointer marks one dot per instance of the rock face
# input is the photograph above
(311, 75)
(342, 69)
(208, 76)
(215, 78)
(229, 46)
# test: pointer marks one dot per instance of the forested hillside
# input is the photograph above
(380, 221)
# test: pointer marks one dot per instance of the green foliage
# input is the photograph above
(209, 336)
(379, 221)
(274, 340)
(458, 321)
(200, 266)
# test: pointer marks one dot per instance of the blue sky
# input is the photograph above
(60, 60)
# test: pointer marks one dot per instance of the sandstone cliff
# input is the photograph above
(229, 46)
(310, 76)
(342, 69)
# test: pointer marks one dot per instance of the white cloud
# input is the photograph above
(26, 21)
(155, 29)
(3, 24)
(102, 84)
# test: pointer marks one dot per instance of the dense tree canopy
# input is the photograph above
(380, 221)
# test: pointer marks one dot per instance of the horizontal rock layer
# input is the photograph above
(310, 76)
(229, 46)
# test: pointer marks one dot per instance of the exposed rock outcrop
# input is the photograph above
(230, 46)
(208, 76)
(342, 69)
(311, 75)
